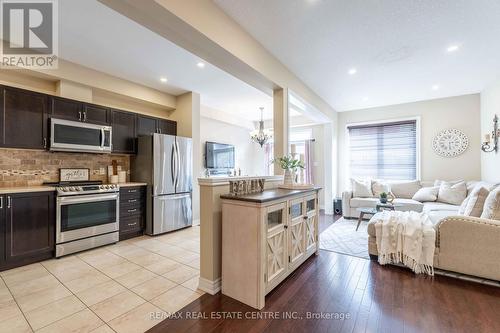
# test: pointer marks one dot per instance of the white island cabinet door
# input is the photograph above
(276, 241)
(296, 236)
(311, 226)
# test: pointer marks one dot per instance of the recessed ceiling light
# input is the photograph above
(435, 87)
(163, 79)
(452, 48)
(201, 64)
(352, 71)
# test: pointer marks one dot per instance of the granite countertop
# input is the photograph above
(224, 180)
(25, 189)
(44, 188)
(131, 184)
(268, 195)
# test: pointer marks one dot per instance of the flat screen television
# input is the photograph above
(219, 156)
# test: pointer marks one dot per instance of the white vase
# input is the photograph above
(288, 177)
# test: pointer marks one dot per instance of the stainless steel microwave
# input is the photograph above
(67, 135)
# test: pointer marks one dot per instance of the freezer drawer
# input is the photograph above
(170, 212)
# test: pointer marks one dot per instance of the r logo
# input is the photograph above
(27, 27)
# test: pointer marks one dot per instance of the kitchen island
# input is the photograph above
(265, 237)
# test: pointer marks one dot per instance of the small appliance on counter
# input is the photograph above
(87, 212)
(165, 163)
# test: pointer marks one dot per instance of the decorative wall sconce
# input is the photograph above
(491, 140)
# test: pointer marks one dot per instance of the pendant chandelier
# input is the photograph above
(261, 136)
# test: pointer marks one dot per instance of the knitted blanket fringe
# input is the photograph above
(399, 258)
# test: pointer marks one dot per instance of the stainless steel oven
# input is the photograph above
(67, 135)
(86, 217)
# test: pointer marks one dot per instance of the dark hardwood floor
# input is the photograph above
(372, 298)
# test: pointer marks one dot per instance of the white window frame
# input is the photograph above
(347, 152)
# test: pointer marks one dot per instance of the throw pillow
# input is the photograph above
(453, 182)
(475, 202)
(378, 187)
(452, 194)
(492, 206)
(463, 206)
(405, 190)
(426, 194)
(361, 188)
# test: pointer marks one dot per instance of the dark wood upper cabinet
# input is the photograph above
(2, 229)
(146, 125)
(24, 119)
(123, 124)
(149, 125)
(166, 126)
(66, 108)
(96, 114)
(29, 227)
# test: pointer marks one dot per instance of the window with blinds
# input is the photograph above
(384, 151)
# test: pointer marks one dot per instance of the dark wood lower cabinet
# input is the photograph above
(132, 211)
(28, 221)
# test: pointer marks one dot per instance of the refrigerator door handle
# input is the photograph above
(178, 161)
(176, 173)
(172, 164)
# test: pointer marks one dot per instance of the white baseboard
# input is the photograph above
(209, 286)
(196, 222)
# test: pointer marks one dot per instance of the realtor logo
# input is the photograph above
(29, 34)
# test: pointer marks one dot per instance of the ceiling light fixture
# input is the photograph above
(261, 136)
(352, 71)
(435, 87)
(452, 48)
(201, 64)
(163, 79)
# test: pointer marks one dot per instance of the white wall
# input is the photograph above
(490, 105)
(461, 112)
(248, 155)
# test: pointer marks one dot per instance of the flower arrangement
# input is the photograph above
(288, 162)
(290, 165)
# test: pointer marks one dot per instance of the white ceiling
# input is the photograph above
(398, 47)
(95, 36)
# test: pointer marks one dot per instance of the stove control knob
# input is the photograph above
(79, 188)
(71, 188)
(101, 187)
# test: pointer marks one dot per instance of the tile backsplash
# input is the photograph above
(21, 167)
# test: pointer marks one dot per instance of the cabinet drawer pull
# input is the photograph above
(131, 224)
(132, 200)
(80, 115)
(132, 191)
(9, 201)
(132, 210)
(1, 202)
(84, 115)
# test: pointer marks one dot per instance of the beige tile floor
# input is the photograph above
(117, 288)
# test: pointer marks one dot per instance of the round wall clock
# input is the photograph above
(450, 143)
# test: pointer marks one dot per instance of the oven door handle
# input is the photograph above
(89, 198)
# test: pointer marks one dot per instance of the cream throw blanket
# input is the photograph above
(407, 238)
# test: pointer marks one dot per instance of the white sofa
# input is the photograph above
(464, 244)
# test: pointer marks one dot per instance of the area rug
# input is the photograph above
(342, 237)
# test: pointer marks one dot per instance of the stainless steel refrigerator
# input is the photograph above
(165, 163)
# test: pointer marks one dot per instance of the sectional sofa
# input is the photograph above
(464, 244)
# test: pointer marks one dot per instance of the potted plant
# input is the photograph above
(383, 197)
(290, 165)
